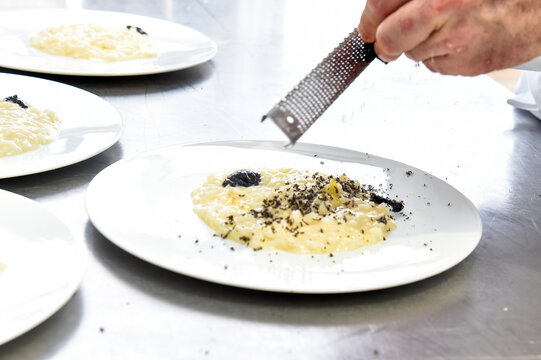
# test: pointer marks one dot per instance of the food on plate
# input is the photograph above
(137, 28)
(23, 127)
(95, 42)
(294, 211)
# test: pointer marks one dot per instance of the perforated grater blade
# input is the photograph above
(303, 105)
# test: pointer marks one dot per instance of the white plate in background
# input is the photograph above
(89, 125)
(143, 205)
(41, 264)
(178, 46)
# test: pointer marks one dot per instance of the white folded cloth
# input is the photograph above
(528, 91)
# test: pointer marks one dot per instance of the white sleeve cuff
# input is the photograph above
(528, 93)
(533, 65)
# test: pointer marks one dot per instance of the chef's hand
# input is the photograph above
(459, 37)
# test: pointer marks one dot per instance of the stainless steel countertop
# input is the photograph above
(459, 129)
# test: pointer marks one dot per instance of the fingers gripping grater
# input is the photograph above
(307, 101)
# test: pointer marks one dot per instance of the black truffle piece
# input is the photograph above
(243, 177)
(395, 205)
(16, 100)
(139, 30)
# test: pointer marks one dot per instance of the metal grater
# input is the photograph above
(295, 113)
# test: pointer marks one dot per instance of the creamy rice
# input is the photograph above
(27, 129)
(294, 211)
(95, 42)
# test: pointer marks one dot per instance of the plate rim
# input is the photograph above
(278, 145)
(76, 277)
(111, 74)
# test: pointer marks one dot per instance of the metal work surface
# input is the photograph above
(459, 129)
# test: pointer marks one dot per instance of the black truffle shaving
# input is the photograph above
(243, 177)
(16, 100)
(139, 30)
(396, 205)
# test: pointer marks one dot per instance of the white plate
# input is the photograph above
(41, 265)
(179, 47)
(89, 126)
(143, 205)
